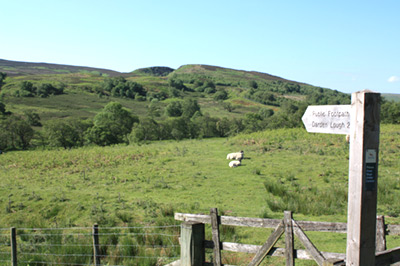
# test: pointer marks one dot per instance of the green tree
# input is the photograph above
(390, 112)
(228, 106)
(176, 83)
(253, 84)
(174, 109)
(112, 125)
(223, 127)
(179, 127)
(154, 108)
(252, 122)
(32, 118)
(265, 112)
(59, 133)
(220, 95)
(27, 89)
(206, 125)
(147, 129)
(190, 107)
(16, 133)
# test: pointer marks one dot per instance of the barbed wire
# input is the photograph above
(46, 251)
(89, 228)
(102, 234)
(91, 245)
(64, 263)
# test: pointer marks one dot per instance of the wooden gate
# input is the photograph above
(193, 243)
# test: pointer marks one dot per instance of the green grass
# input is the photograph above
(146, 184)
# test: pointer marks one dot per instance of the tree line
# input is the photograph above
(116, 124)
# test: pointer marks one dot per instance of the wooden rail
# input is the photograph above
(290, 228)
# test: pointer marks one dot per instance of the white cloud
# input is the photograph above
(394, 79)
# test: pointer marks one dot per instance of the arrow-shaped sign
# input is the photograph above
(333, 119)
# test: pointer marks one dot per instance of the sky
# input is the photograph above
(346, 45)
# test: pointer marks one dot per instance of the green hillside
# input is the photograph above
(193, 101)
(86, 83)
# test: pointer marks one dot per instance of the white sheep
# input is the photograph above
(235, 156)
(234, 163)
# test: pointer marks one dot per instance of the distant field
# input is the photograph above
(392, 97)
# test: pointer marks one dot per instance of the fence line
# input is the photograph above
(90, 245)
(193, 243)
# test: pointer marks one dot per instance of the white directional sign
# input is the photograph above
(333, 119)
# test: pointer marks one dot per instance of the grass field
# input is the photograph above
(146, 184)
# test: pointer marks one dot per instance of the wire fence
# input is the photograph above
(111, 246)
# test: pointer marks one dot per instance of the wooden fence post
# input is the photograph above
(380, 233)
(363, 178)
(192, 244)
(96, 245)
(289, 243)
(215, 236)
(14, 247)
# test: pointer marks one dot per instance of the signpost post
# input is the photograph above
(361, 121)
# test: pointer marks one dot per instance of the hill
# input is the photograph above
(85, 89)
(391, 97)
(193, 101)
(16, 68)
(225, 74)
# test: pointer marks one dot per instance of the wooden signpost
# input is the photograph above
(361, 120)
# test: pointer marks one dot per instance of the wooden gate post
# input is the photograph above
(192, 244)
(363, 178)
(289, 240)
(215, 236)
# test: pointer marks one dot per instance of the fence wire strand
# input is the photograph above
(45, 245)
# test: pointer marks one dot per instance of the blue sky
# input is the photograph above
(343, 45)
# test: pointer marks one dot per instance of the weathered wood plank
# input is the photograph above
(380, 234)
(308, 244)
(252, 249)
(271, 241)
(215, 236)
(264, 223)
(387, 257)
(391, 229)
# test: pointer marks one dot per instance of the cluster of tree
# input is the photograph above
(115, 124)
(120, 87)
(186, 108)
(15, 133)
(262, 96)
(390, 112)
(28, 89)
